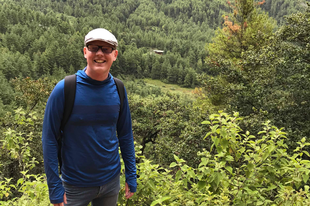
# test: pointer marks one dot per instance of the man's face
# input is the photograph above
(99, 63)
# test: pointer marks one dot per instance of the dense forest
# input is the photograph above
(240, 137)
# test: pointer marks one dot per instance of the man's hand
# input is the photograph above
(128, 194)
(63, 203)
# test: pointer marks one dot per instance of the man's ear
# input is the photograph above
(115, 54)
(84, 52)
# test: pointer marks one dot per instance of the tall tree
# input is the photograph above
(172, 75)
(280, 78)
(246, 27)
(165, 68)
(156, 68)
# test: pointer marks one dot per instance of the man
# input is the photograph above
(90, 158)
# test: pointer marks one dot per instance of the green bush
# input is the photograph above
(19, 186)
(239, 169)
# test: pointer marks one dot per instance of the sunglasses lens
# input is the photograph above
(106, 50)
(94, 48)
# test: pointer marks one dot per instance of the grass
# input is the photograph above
(169, 87)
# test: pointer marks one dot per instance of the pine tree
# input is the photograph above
(164, 69)
(6, 92)
(172, 75)
(58, 73)
(156, 68)
(181, 75)
(71, 69)
(245, 28)
(3, 22)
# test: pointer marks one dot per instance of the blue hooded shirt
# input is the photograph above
(90, 155)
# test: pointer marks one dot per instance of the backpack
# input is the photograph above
(69, 90)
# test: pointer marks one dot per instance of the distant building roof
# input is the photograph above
(159, 51)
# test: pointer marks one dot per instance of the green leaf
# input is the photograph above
(223, 133)
(265, 155)
(151, 184)
(213, 128)
(224, 143)
(13, 186)
(271, 187)
(201, 184)
(229, 158)
(305, 178)
(165, 198)
(206, 122)
(306, 153)
(229, 169)
(178, 175)
(176, 158)
(248, 173)
(185, 182)
(250, 166)
(304, 162)
(173, 164)
(306, 188)
(160, 200)
(20, 181)
(207, 135)
(155, 202)
(242, 150)
(204, 162)
(216, 141)
(192, 174)
(217, 178)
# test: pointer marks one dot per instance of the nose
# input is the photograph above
(99, 52)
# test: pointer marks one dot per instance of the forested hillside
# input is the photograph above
(245, 58)
(278, 9)
(47, 35)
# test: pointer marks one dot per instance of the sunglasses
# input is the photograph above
(104, 49)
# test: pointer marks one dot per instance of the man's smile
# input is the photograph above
(100, 61)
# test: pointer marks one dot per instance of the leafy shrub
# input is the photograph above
(240, 169)
(18, 186)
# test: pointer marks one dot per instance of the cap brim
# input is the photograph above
(113, 43)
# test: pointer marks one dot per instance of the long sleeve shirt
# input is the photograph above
(89, 152)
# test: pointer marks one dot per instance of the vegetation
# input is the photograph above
(239, 169)
(241, 55)
(269, 82)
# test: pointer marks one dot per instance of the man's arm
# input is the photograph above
(126, 142)
(51, 129)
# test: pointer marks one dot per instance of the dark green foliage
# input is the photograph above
(271, 82)
(21, 129)
(156, 70)
(165, 124)
(267, 77)
(53, 38)
(280, 8)
(6, 95)
(282, 77)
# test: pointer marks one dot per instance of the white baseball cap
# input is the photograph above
(101, 34)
